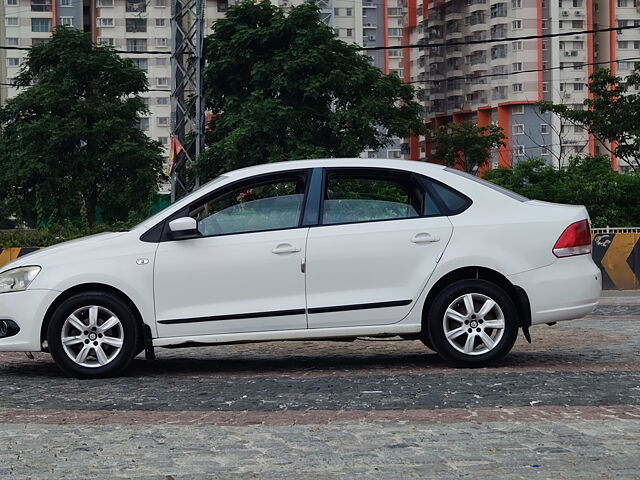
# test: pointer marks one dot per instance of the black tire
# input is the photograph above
(126, 331)
(426, 341)
(476, 292)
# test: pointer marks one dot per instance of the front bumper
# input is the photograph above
(567, 289)
(27, 309)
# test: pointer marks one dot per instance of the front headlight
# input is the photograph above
(18, 279)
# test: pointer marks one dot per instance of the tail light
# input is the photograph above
(575, 240)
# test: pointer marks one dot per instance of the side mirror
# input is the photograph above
(183, 228)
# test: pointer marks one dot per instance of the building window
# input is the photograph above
(516, 3)
(13, 41)
(544, 45)
(520, 151)
(162, 100)
(11, 21)
(12, 2)
(517, 109)
(336, 12)
(349, 12)
(136, 44)
(622, 3)
(136, 25)
(545, 87)
(104, 22)
(106, 41)
(163, 121)
(66, 3)
(135, 6)
(13, 62)
(577, 3)
(42, 25)
(141, 63)
(349, 32)
(516, 25)
(623, 45)
(163, 140)
(161, 3)
(66, 21)
(544, 128)
(162, 81)
(40, 5)
(395, 32)
(162, 42)
(544, 24)
(161, 22)
(516, 87)
(516, 67)
(517, 45)
(545, 151)
(518, 129)
(222, 6)
(39, 41)
(577, 24)
(143, 124)
(578, 86)
(105, 3)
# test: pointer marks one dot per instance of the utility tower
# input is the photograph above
(187, 102)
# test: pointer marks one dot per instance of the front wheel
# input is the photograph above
(472, 323)
(93, 335)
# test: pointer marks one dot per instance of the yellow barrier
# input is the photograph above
(617, 255)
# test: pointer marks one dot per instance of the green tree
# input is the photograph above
(282, 87)
(612, 114)
(610, 197)
(466, 145)
(70, 142)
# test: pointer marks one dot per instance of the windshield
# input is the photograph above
(182, 201)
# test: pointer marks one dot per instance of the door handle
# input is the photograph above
(285, 248)
(424, 237)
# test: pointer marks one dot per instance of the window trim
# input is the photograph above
(165, 236)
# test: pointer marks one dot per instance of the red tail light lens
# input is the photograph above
(575, 240)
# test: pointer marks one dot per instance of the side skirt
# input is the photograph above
(306, 334)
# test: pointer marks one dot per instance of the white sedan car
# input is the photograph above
(313, 249)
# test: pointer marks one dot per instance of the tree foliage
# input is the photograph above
(70, 142)
(612, 113)
(282, 87)
(610, 197)
(466, 145)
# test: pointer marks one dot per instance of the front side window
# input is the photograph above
(259, 206)
(368, 197)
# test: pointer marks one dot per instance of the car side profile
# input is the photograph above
(310, 249)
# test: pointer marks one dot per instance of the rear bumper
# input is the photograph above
(27, 309)
(567, 289)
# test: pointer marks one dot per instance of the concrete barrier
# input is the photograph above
(616, 254)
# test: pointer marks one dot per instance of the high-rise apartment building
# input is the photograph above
(144, 26)
(482, 78)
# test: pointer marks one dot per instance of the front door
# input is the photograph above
(244, 273)
(379, 239)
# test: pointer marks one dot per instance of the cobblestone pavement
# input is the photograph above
(565, 407)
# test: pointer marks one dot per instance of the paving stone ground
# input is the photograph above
(565, 407)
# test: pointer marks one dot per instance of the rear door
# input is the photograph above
(379, 237)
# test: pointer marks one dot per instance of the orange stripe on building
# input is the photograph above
(504, 157)
(385, 36)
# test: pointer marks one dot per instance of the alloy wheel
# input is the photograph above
(473, 324)
(92, 336)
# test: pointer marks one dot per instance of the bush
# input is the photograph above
(52, 235)
(610, 197)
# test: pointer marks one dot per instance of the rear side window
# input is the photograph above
(453, 200)
(352, 197)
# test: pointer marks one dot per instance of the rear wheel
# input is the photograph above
(93, 335)
(472, 323)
